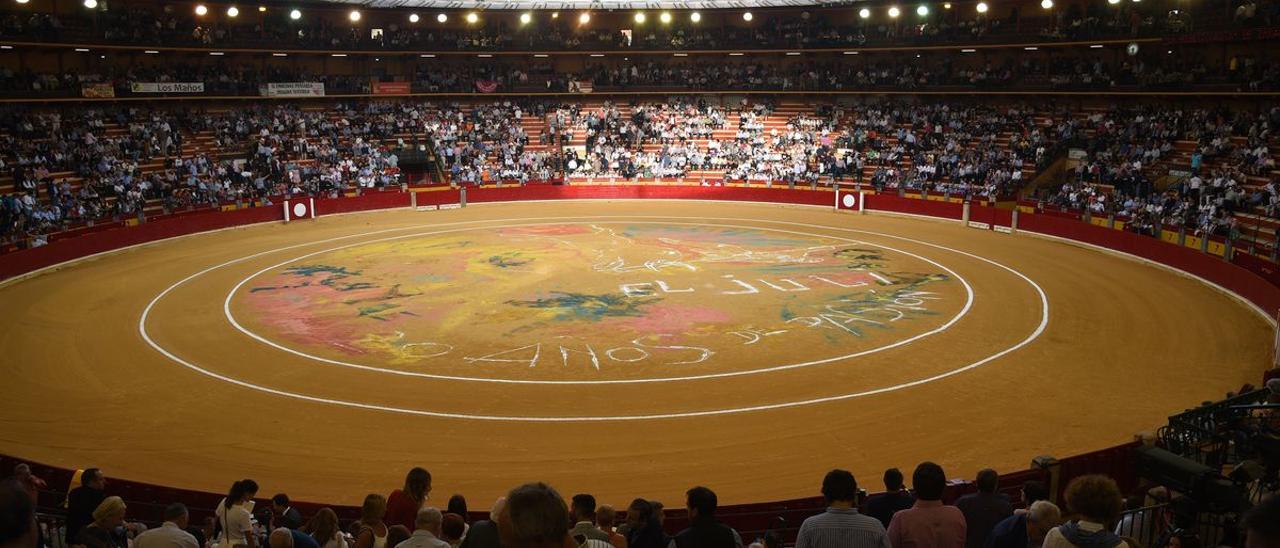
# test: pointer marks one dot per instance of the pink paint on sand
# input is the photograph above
(672, 318)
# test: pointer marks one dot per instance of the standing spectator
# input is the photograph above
(171, 534)
(82, 501)
(372, 529)
(895, 497)
(928, 523)
(1261, 524)
(325, 530)
(283, 515)
(102, 532)
(404, 503)
(427, 532)
(606, 517)
(583, 509)
(704, 531)
(643, 528)
(18, 527)
(1096, 500)
(534, 516)
(235, 516)
(841, 526)
(984, 509)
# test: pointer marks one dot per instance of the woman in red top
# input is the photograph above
(403, 504)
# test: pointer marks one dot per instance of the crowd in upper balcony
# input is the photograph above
(147, 25)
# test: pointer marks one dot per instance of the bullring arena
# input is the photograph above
(762, 343)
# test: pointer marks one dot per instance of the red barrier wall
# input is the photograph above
(1232, 277)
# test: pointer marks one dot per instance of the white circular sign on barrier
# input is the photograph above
(299, 209)
(849, 200)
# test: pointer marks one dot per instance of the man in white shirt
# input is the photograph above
(172, 534)
(427, 532)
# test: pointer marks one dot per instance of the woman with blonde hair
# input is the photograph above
(372, 530)
(101, 533)
(325, 530)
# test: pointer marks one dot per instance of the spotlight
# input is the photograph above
(695, 16)
(982, 7)
(442, 18)
(1113, 2)
(639, 17)
(262, 9)
(894, 12)
(201, 9)
(472, 17)
(555, 15)
(23, 1)
(665, 17)
(525, 18)
(413, 18)
(946, 5)
(295, 15)
(233, 11)
(1046, 4)
(746, 16)
(864, 13)
(91, 4)
(354, 16)
(922, 10)
(584, 18)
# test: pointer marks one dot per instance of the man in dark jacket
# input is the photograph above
(704, 531)
(984, 509)
(895, 498)
(82, 501)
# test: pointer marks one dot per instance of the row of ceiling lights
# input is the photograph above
(585, 17)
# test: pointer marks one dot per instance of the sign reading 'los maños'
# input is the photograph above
(167, 87)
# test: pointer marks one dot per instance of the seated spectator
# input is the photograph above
(453, 529)
(30, 482)
(283, 515)
(234, 514)
(606, 517)
(1026, 529)
(583, 509)
(397, 534)
(984, 509)
(643, 528)
(372, 532)
(104, 531)
(704, 531)
(1262, 524)
(895, 497)
(171, 534)
(284, 537)
(18, 527)
(82, 501)
(458, 505)
(534, 516)
(1096, 500)
(928, 522)
(324, 529)
(427, 531)
(484, 533)
(841, 526)
(404, 503)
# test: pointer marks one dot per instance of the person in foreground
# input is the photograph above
(18, 527)
(1096, 500)
(284, 537)
(171, 534)
(928, 522)
(535, 516)
(841, 526)
(1027, 528)
(895, 498)
(984, 509)
(704, 531)
(1262, 524)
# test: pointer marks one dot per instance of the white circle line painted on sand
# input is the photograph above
(1044, 322)
(226, 310)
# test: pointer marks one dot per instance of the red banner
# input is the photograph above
(390, 88)
(486, 86)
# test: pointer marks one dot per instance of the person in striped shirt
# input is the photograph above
(841, 526)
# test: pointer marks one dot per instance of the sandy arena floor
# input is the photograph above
(620, 348)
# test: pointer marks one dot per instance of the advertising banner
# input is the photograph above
(167, 87)
(293, 89)
(97, 90)
(390, 88)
